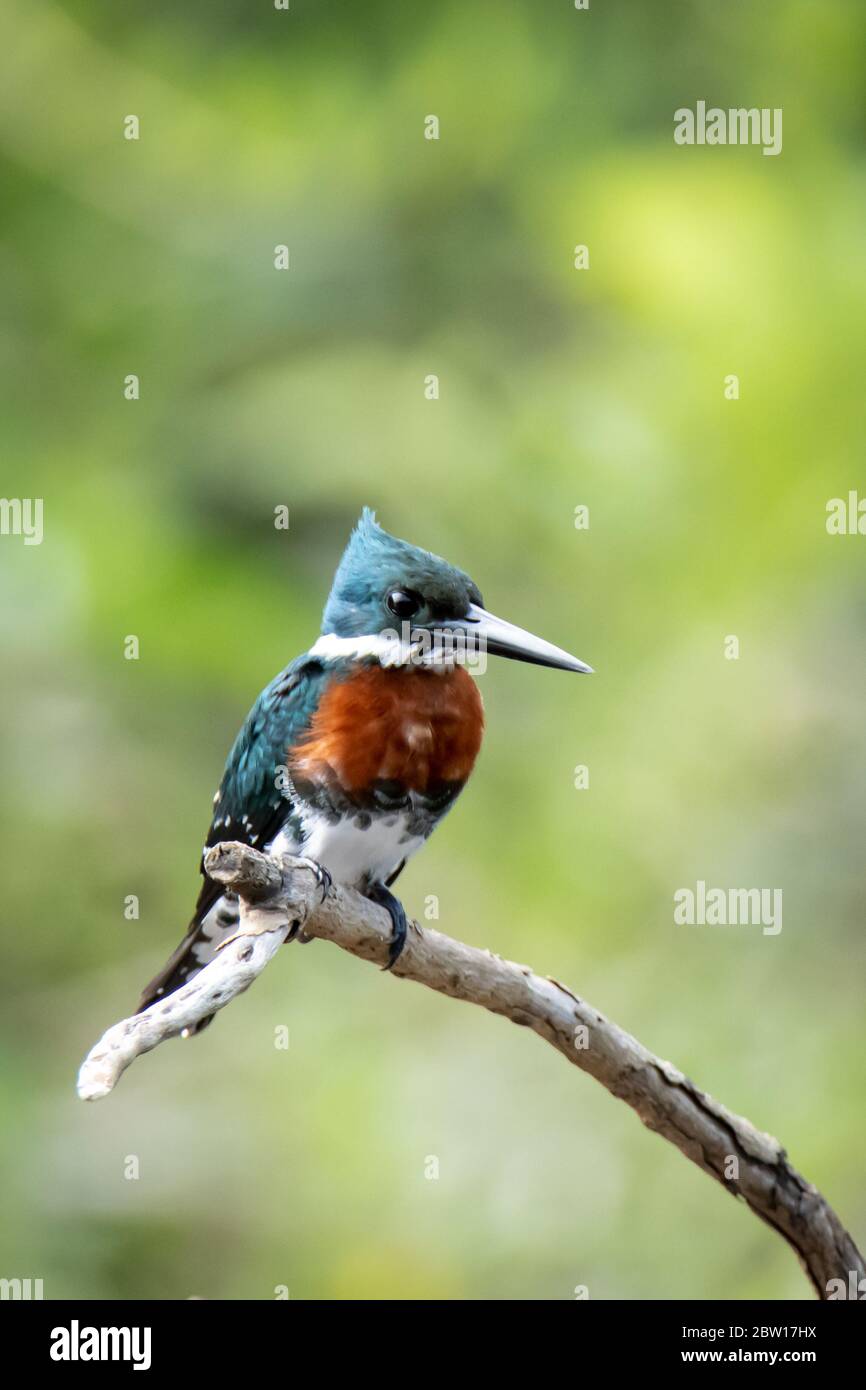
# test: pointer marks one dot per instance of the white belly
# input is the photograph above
(352, 854)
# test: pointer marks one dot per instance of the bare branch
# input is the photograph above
(277, 897)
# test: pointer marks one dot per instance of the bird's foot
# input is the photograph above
(295, 933)
(325, 883)
(323, 879)
(383, 897)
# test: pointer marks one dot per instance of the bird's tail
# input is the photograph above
(215, 920)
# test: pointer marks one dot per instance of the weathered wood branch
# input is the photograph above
(277, 896)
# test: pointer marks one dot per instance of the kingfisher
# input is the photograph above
(357, 749)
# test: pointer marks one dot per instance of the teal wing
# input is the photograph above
(250, 805)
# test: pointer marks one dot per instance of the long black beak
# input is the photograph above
(500, 638)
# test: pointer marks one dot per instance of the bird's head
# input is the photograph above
(384, 584)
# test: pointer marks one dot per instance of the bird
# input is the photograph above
(355, 751)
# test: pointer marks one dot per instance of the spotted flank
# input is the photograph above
(219, 924)
(199, 946)
(356, 851)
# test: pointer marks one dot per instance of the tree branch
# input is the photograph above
(278, 896)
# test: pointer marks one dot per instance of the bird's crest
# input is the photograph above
(375, 562)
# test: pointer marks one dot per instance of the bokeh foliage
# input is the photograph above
(605, 387)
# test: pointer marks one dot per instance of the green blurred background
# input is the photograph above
(559, 387)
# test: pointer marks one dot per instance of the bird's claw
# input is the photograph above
(378, 893)
(323, 878)
(324, 882)
(395, 950)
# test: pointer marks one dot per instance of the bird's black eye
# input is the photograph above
(404, 603)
